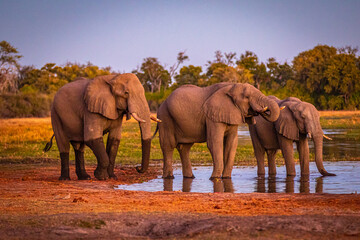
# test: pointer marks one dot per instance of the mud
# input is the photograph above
(35, 205)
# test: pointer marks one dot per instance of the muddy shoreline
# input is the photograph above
(35, 205)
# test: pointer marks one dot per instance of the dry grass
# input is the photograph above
(26, 137)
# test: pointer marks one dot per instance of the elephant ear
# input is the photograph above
(99, 98)
(286, 123)
(220, 107)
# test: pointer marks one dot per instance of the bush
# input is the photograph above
(25, 105)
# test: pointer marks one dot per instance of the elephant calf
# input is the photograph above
(211, 114)
(86, 109)
(296, 121)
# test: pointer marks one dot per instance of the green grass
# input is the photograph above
(25, 139)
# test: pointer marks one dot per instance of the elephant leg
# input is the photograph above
(271, 161)
(79, 160)
(286, 146)
(97, 146)
(184, 151)
(65, 171)
(303, 149)
(215, 143)
(230, 144)
(62, 142)
(259, 151)
(167, 144)
(112, 146)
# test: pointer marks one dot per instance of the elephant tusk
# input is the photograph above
(328, 138)
(310, 136)
(264, 109)
(281, 108)
(137, 118)
(155, 119)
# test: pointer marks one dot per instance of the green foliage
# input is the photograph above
(9, 65)
(324, 76)
(25, 105)
(189, 75)
(152, 75)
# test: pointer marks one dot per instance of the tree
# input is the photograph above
(189, 75)
(250, 61)
(9, 66)
(342, 75)
(180, 59)
(278, 73)
(152, 75)
(309, 68)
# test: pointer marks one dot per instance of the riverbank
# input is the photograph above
(35, 205)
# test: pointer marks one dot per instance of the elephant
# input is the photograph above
(193, 114)
(297, 120)
(86, 109)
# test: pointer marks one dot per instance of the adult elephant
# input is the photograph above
(211, 114)
(296, 121)
(86, 109)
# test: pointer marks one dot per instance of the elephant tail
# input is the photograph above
(156, 130)
(49, 144)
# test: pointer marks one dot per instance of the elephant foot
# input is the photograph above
(325, 173)
(62, 178)
(101, 174)
(215, 178)
(226, 177)
(113, 176)
(168, 177)
(83, 176)
(192, 176)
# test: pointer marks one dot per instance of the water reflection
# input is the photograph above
(219, 185)
(263, 185)
(244, 180)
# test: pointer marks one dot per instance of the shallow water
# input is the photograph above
(244, 180)
(341, 147)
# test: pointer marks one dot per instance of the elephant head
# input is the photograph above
(114, 95)
(238, 103)
(302, 118)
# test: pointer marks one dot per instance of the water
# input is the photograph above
(244, 180)
(341, 147)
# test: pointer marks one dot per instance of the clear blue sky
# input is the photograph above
(121, 34)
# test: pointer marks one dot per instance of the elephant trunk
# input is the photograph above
(318, 145)
(139, 109)
(273, 111)
(145, 129)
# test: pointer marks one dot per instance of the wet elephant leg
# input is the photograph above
(303, 149)
(184, 151)
(271, 161)
(215, 143)
(112, 146)
(286, 146)
(259, 152)
(230, 144)
(79, 160)
(65, 172)
(98, 147)
(167, 144)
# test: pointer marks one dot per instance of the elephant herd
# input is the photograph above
(86, 109)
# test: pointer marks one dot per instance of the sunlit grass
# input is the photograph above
(340, 119)
(26, 138)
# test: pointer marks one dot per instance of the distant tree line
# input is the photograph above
(326, 76)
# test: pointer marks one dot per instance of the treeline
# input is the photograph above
(326, 76)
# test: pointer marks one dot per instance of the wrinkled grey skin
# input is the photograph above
(86, 109)
(297, 120)
(212, 114)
